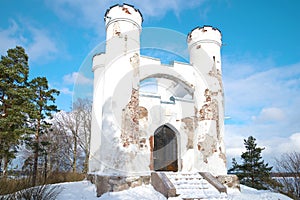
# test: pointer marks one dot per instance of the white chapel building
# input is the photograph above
(177, 125)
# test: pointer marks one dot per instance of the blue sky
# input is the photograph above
(260, 56)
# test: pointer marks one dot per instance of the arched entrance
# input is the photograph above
(165, 151)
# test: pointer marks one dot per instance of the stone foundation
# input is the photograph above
(231, 181)
(111, 183)
(106, 183)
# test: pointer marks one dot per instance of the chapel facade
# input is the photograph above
(177, 124)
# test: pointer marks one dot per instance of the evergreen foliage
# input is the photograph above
(41, 98)
(25, 108)
(13, 102)
(253, 171)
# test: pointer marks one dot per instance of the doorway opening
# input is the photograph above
(165, 151)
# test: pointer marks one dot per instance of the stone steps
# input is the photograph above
(189, 185)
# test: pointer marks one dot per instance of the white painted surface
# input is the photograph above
(115, 77)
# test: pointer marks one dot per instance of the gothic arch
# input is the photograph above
(186, 85)
(166, 149)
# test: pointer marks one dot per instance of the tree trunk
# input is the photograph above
(36, 154)
(86, 161)
(45, 167)
(0, 166)
(50, 163)
(5, 166)
(75, 153)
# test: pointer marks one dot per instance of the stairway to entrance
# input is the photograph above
(188, 185)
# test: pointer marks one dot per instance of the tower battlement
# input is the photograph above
(123, 12)
(205, 34)
(123, 28)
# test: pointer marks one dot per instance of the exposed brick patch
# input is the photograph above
(188, 125)
(130, 120)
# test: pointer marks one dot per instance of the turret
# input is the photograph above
(204, 45)
(205, 40)
(123, 27)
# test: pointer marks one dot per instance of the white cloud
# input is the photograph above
(43, 46)
(292, 143)
(269, 115)
(38, 43)
(9, 37)
(156, 8)
(234, 144)
(77, 78)
(66, 91)
(263, 101)
(274, 147)
(85, 13)
(260, 94)
(90, 13)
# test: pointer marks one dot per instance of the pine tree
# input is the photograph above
(25, 108)
(253, 171)
(13, 102)
(41, 112)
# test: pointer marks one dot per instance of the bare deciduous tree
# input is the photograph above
(83, 108)
(60, 150)
(69, 139)
(71, 136)
(69, 123)
(288, 167)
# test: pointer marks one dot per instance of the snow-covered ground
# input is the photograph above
(248, 193)
(84, 190)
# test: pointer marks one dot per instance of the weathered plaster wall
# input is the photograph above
(189, 98)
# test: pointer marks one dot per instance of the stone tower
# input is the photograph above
(180, 127)
(204, 45)
(123, 27)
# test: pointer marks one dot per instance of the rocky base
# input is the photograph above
(231, 181)
(106, 183)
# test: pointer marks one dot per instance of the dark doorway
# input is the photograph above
(165, 149)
